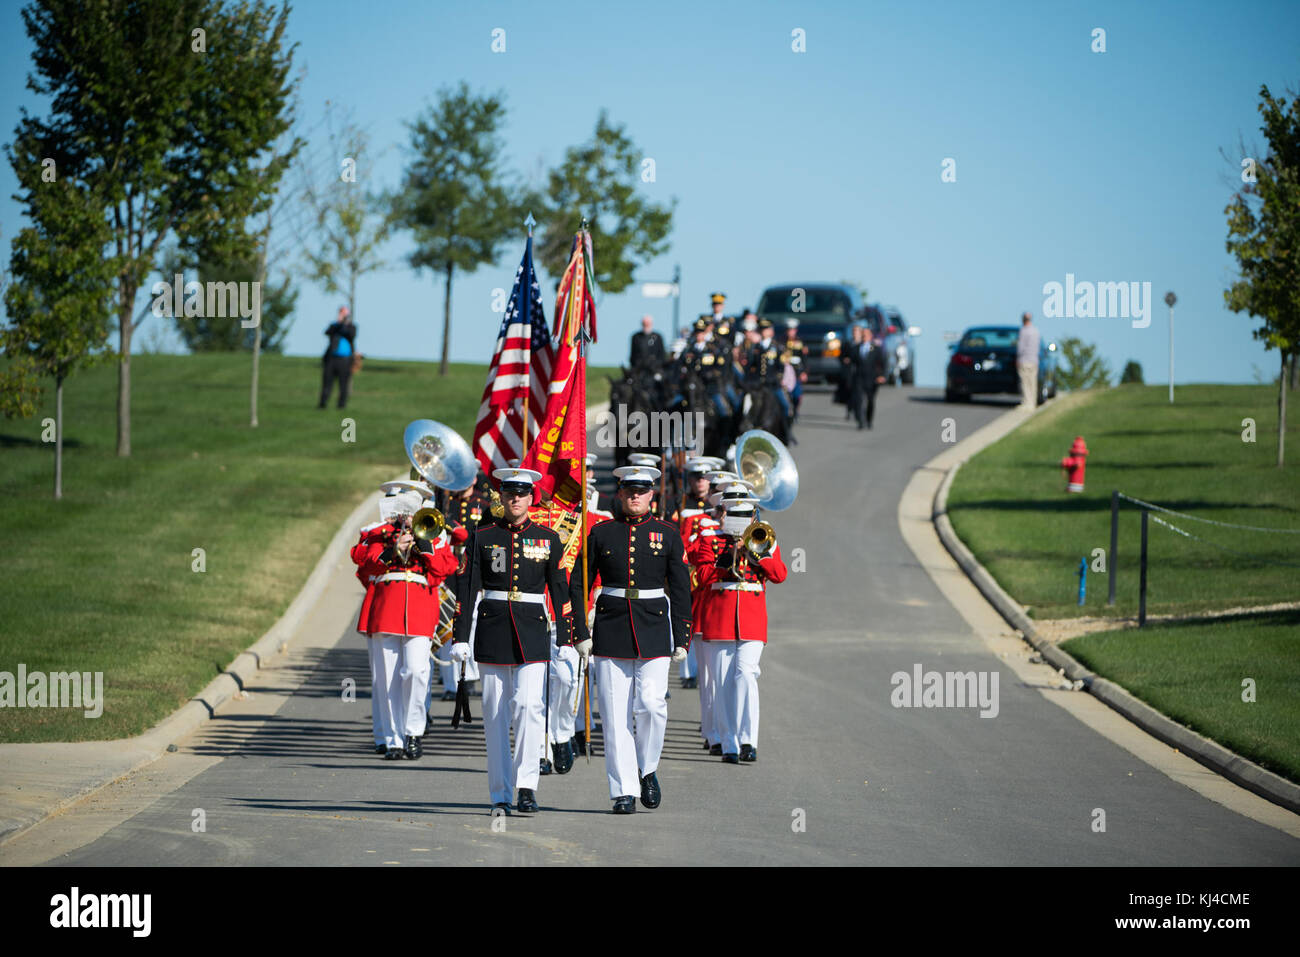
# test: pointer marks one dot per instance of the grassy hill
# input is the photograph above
(102, 580)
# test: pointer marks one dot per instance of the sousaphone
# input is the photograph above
(764, 462)
(441, 456)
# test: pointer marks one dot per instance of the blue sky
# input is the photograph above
(826, 164)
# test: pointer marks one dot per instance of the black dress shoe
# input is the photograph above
(731, 759)
(448, 695)
(748, 752)
(706, 746)
(715, 750)
(580, 742)
(545, 767)
(381, 749)
(414, 748)
(564, 757)
(393, 754)
(625, 804)
(527, 803)
(650, 793)
(501, 809)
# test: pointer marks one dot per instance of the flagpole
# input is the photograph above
(582, 370)
(523, 439)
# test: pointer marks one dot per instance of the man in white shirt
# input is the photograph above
(1027, 363)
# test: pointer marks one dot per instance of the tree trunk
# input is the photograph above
(124, 324)
(257, 330)
(446, 326)
(58, 437)
(1281, 411)
(1295, 369)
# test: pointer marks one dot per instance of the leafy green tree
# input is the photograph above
(1081, 367)
(58, 301)
(1132, 373)
(162, 110)
(1264, 236)
(454, 197)
(600, 181)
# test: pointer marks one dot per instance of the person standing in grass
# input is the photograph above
(1027, 362)
(337, 361)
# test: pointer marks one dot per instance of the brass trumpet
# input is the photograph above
(757, 542)
(427, 524)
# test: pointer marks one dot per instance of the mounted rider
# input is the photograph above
(764, 367)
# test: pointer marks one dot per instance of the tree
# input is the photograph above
(598, 181)
(1132, 373)
(347, 218)
(160, 110)
(1083, 368)
(58, 301)
(453, 197)
(1264, 235)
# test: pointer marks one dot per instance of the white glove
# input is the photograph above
(460, 651)
(679, 654)
(584, 649)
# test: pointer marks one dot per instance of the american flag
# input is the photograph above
(520, 370)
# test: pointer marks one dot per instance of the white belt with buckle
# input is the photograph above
(737, 586)
(633, 592)
(402, 577)
(514, 594)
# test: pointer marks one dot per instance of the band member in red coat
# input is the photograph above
(367, 571)
(403, 615)
(733, 622)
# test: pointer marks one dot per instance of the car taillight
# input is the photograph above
(961, 359)
(893, 329)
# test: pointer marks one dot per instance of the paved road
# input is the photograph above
(286, 776)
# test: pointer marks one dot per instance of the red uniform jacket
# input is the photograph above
(365, 571)
(725, 614)
(402, 607)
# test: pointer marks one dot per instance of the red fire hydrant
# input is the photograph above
(1074, 465)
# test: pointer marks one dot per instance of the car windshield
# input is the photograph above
(990, 339)
(800, 301)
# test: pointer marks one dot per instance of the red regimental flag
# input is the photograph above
(561, 445)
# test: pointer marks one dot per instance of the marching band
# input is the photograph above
(561, 611)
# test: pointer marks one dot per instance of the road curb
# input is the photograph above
(1211, 754)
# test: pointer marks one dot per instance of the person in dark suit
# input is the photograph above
(647, 354)
(336, 363)
(868, 365)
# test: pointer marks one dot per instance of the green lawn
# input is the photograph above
(1009, 504)
(1194, 672)
(102, 580)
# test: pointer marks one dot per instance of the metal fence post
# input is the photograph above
(1142, 585)
(1114, 544)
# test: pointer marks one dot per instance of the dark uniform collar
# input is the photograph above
(638, 519)
(504, 522)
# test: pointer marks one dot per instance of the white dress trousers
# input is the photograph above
(386, 687)
(689, 668)
(709, 689)
(414, 675)
(736, 707)
(563, 690)
(631, 694)
(512, 695)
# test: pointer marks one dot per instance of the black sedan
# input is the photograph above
(984, 363)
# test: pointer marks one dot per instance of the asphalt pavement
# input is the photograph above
(286, 774)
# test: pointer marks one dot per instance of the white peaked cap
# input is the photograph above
(637, 473)
(643, 458)
(513, 476)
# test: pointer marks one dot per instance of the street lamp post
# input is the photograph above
(1170, 299)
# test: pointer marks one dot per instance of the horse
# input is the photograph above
(759, 409)
(632, 395)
